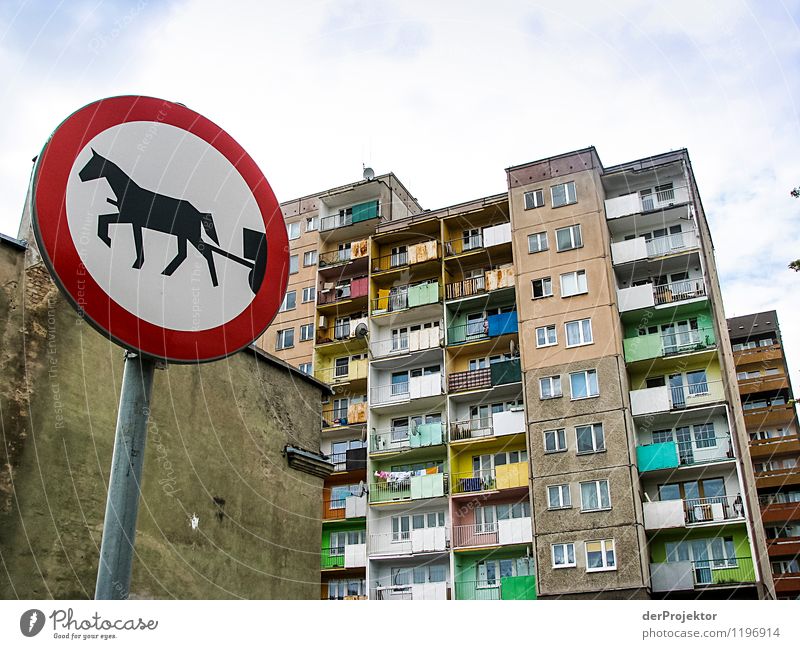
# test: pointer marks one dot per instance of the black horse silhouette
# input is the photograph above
(143, 208)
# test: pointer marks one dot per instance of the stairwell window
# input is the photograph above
(600, 555)
(542, 288)
(574, 283)
(546, 336)
(590, 438)
(579, 332)
(563, 555)
(534, 199)
(285, 339)
(595, 496)
(294, 264)
(558, 497)
(583, 385)
(550, 387)
(555, 441)
(563, 194)
(537, 242)
(569, 238)
(306, 332)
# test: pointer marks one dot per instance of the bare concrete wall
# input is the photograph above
(215, 439)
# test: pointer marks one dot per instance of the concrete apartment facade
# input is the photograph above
(534, 394)
(770, 416)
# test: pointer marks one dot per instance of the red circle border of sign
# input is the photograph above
(89, 299)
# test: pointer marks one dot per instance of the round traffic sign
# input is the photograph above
(160, 229)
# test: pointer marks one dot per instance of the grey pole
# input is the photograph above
(122, 506)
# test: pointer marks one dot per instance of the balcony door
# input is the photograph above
(677, 391)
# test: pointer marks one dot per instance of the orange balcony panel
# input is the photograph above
(763, 384)
(780, 513)
(757, 355)
(779, 478)
(787, 585)
(783, 547)
(767, 448)
(769, 416)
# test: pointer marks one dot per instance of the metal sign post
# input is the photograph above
(124, 484)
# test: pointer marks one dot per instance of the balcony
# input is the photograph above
(671, 455)
(509, 531)
(787, 584)
(355, 256)
(670, 514)
(405, 297)
(691, 575)
(419, 253)
(757, 354)
(771, 383)
(640, 249)
(648, 296)
(505, 588)
(416, 387)
(788, 546)
(491, 280)
(635, 203)
(508, 422)
(418, 487)
(344, 556)
(434, 591)
(766, 448)
(775, 510)
(505, 476)
(755, 418)
(343, 291)
(355, 459)
(402, 438)
(354, 414)
(490, 236)
(650, 401)
(484, 329)
(343, 373)
(340, 509)
(778, 478)
(659, 345)
(394, 544)
(407, 343)
(350, 216)
(501, 373)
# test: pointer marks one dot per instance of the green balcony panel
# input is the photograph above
(642, 347)
(365, 211)
(657, 456)
(506, 372)
(518, 587)
(426, 435)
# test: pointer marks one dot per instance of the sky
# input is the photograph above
(447, 95)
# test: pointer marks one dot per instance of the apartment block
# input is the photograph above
(534, 392)
(771, 419)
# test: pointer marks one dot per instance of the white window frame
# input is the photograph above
(538, 237)
(565, 547)
(598, 493)
(586, 374)
(309, 254)
(572, 230)
(551, 380)
(547, 288)
(294, 263)
(309, 294)
(577, 275)
(306, 329)
(285, 304)
(559, 434)
(562, 491)
(547, 330)
(538, 199)
(604, 549)
(312, 223)
(581, 332)
(293, 230)
(569, 200)
(595, 448)
(306, 368)
(280, 339)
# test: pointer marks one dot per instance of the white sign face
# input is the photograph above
(169, 162)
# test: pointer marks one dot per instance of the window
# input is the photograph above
(697, 382)
(311, 224)
(542, 287)
(309, 293)
(289, 301)
(595, 496)
(563, 194)
(573, 283)
(550, 387)
(555, 441)
(293, 230)
(590, 438)
(306, 332)
(294, 264)
(704, 436)
(583, 385)
(306, 368)
(341, 367)
(600, 555)
(537, 242)
(490, 571)
(568, 238)
(546, 336)
(310, 258)
(285, 339)
(563, 555)
(534, 198)
(579, 332)
(558, 497)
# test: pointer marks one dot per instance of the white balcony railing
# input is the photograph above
(503, 532)
(432, 539)
(677, 397)
(416, 387)
(671, 514)
(407, 342)
(639, 248)
(636, 203)
(646, 296)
